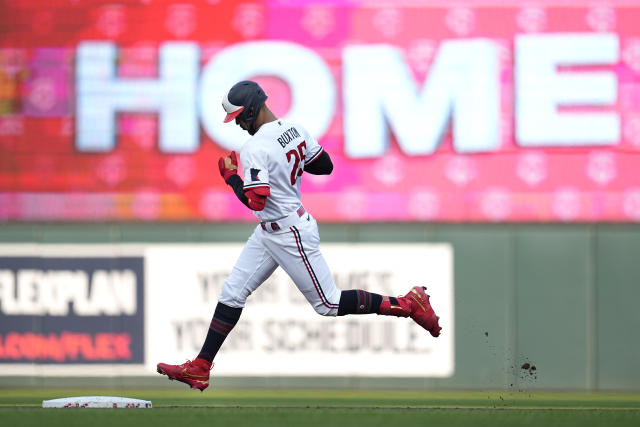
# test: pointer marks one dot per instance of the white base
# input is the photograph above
(96, 402)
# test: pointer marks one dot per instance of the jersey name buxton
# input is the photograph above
(288, 136)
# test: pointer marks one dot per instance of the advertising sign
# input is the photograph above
(279, 333)
(71, 310)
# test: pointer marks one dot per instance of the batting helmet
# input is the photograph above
(244, 97)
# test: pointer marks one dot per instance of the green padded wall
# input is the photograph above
(561, 297)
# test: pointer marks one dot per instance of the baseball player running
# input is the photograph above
(273, 161)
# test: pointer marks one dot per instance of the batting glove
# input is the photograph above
(228, 166)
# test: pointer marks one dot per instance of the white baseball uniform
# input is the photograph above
(287, 235)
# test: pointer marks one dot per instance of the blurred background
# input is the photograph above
(488, 150)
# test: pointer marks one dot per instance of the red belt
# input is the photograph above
(273, 226)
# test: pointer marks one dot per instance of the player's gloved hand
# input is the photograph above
(228, 166)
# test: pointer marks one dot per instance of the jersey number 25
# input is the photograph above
(298, 161)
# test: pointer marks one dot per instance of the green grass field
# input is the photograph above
(303, 407)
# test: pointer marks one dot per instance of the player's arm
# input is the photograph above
(319, 165)
(254, 199)
(236, 183)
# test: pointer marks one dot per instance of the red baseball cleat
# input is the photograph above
(414, 304)
(195, 374)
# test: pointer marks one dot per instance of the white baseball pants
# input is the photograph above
(294, 246)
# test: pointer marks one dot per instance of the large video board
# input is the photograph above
(470, 111)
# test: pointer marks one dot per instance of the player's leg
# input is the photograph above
(297, 251)
(414, 304)
(252, 268)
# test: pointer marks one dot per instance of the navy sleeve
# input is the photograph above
(321, 165)
(237, 184)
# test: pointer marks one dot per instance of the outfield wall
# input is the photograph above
(559, 297)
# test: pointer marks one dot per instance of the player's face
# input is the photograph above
(242, 124)
(248, 127)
